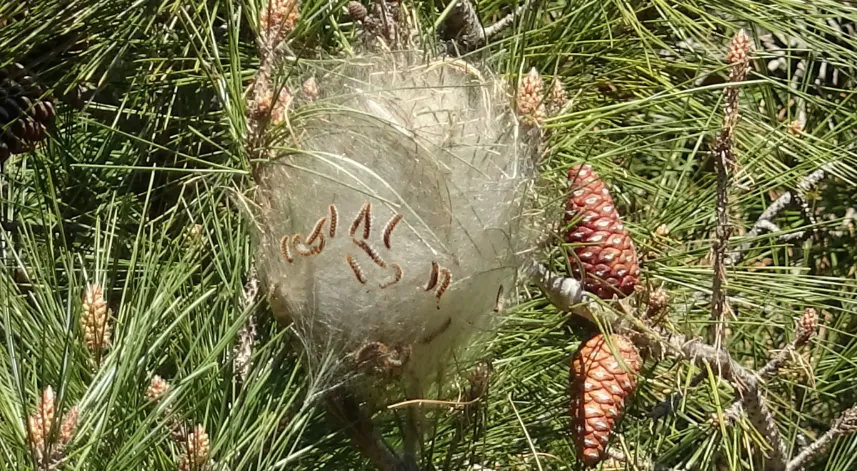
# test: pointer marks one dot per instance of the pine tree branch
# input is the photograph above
(765, 222)
(564, 293)
(507, 20)
(762, 420)
(807, 327)
(845, 424)
(466, 29)
(345, 410)
(243, 351)
(567, 294)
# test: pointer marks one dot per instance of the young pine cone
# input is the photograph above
(24, 115)
(600, 383)
(605, 258)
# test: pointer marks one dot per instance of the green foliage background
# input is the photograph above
(155, 146)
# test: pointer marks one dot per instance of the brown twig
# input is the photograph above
(345, 410)
(660, 342)
(567, 293)
(724, 161)
(276, 21)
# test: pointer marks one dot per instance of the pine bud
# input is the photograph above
(604, 253)
(600, 383)
(279, 17)
(96, 328)
(739, 49)
(557, 98)
(42, 420)
(69, 424)
(276, 108)
(197, 451)
(738, 57)
(530, 94)
(157, 388)
(795, 128)
(807, 326)
(658, 304)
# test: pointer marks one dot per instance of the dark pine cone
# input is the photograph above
(605, 259)
(24, 113)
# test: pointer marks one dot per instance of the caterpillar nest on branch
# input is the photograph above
(391, 235)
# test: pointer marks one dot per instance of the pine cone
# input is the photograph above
(24, 114)
(605, 254)
(599, 385)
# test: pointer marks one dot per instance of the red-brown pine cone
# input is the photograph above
(605, 258)
(600, 383)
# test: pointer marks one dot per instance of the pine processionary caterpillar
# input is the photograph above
(316, 249)
(498, 303)
(397, 276)
(371, 253)
(388, 229)
(398, 357)
(334, 220)
(370, 352)
(433, 277)
(284, 248)
(360, 217)
(306, 250)
(300, 247)
(444, 285)
(355, 267)
(367, 224)
(316, 231)
(377, 357)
